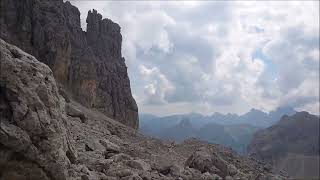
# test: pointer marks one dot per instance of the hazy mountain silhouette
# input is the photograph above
(292, 144)
(231, 130)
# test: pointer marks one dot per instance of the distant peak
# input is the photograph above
(254, 110)
(302, 113)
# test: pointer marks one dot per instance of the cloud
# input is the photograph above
(157, 86)
(295, 53)
(218, 56)
(292, 52)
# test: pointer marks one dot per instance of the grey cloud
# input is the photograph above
(289, 53)
(177, 68)
(298, 101)
(192, 45)
(207, 11)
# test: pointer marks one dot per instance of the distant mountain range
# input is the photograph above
(292, 144)
(230, 130)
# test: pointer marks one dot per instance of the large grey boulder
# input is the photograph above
(33, 139)
(74, 112)
(139, 164)
(205, 160)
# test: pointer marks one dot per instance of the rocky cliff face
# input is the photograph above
(291, 145)
(44, 136)
(33, 138)
(87, 65)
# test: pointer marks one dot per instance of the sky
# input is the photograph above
(217, 56)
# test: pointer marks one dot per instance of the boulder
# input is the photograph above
(121, 157)
(32, 131)
(206, 160)
(72, 111)
(110, 147)
(139, 164)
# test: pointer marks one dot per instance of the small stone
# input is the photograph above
(74, 112)
(139, 164)
(228, 178)
(205, 160)
(232, 170)
(121, 157)
(85, 177)
(110, 147)
(124, 172)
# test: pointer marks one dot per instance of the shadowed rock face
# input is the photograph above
(88, 65)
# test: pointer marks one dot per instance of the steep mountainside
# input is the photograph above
(215, 133)
(292, 145)
(242, 134)
(88, 65)
(179, 132)
(256, 118)
(45, 137)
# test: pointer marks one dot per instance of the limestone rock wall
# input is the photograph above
(88, 65)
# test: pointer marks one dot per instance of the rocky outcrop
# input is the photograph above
(41, 138)
(206, 161)
(88, 65)
(74, 112)
(33, 139)
(291, 145)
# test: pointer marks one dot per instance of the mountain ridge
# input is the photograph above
(231, 130)
(264, 119)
